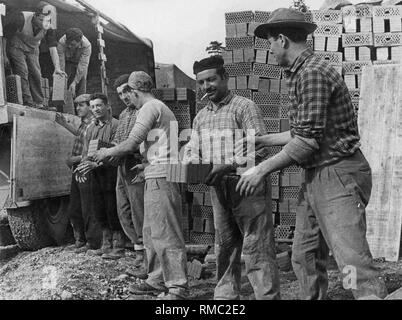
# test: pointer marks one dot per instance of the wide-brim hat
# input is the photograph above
(284, 17)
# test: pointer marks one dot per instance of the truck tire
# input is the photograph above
(44, 223)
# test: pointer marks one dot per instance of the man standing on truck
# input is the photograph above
(324, 140)
(74, 51)
(130, 182)
(85, 227)
(25, 34)
(243, 224)
(102, 177)
(163, 236)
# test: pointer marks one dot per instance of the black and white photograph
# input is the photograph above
(210, 152)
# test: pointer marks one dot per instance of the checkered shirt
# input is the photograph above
(79, 139)
(233, 112)
(126, 123)
(321, 109)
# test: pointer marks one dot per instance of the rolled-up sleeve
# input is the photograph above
(82, 68)
(146, 120)
(315, 92)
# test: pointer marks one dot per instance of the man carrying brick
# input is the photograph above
(74, 51)
(86, 229)
(25, 34)
(324, 140)
(243, 224)
(163, 236)
(102, 177)
(130, 177)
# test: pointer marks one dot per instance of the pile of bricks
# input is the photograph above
(181, 101)
(13, 89)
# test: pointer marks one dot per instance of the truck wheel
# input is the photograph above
(28, 228)
(44, 223)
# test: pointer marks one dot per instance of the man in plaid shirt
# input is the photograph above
(243, 224)
(324, 140)
(130, 183)
(87, 232)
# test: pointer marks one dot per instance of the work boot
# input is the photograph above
(118, 247)
(75, 246)
(139, 258)
(106, 244)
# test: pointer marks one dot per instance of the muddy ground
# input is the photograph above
(60, 274)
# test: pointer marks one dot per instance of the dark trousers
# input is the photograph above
(82, 217)
(103, 190)
(71, 70)
(244, 225)
(331, 216)
(26, 65)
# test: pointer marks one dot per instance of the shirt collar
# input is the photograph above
(88, 119)
(225, 101)
(299, 61)
(102, 123)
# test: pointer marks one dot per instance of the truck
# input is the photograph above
(34, 178)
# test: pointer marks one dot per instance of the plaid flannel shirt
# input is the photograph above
(233, 112)
(321, 109)
(126, 123)
(79, 140)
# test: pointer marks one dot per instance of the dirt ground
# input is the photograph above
(60, 274)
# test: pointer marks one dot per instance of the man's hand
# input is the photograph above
(59, 72)
(100, 155)
(140, 175)
(249, 182)
(73, 87)
(113, 161)
(7, 64)
(80, 178)
(86, 167)
(217, 173)
(61, 119)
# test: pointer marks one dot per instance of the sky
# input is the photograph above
(182, 29)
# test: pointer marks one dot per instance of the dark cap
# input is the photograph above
(213, 62)
(74, 34)
(284, 17)
(139, 80)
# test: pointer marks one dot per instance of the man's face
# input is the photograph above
(134, 98)
(99, 109)
(278, 50)
(124, 95)
(214, 85)
(83, 109)
(72, 45)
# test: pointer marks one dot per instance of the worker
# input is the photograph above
(163, 236)
(242, 224)
(324, 140)
(86, 229)
(102, 177)
(130, 177)
(25, 34)
(74, 51)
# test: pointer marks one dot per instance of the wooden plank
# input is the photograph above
(39, 168)
(380, 126)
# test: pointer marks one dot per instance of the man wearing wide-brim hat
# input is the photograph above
(324, 140)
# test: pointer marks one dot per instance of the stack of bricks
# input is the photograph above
(181, 101)
(202, 230)
(357, 43)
